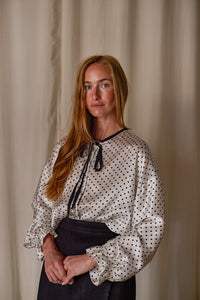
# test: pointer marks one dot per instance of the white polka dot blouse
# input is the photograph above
(121, 188)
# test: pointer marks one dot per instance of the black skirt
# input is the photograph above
(74, 237)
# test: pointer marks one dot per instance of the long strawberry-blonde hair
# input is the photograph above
(80, 133)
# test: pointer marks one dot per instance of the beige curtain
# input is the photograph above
(41, 46)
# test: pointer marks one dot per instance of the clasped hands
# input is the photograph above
(62, 270)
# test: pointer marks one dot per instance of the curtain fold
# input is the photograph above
(157, 43)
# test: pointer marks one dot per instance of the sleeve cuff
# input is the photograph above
(100, 272)
(35, 240)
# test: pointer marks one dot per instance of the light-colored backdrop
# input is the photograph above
(42, 44)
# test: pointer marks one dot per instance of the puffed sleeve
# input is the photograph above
(125, 255)
(42, 209)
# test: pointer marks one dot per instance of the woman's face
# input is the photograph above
(99, 91)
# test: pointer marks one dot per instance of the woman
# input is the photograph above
(98, 208)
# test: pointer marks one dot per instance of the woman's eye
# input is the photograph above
(88, 87)
(105, 85)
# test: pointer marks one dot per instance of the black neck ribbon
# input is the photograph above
(97, 167)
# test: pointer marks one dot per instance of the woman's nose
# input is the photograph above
(95, 93)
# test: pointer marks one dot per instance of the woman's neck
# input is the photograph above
(103, 129)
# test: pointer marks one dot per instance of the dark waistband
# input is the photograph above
(75, 236)
(86, 226)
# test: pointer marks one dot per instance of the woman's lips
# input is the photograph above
(97, 105)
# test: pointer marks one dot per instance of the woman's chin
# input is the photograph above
(98, 114)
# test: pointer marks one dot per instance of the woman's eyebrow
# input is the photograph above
(99, 80)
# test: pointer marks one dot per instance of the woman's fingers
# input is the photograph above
(76, 265)
(61, 273)
(53, 278)
(69, 279)
(56, 275)
(53, 260)
(60, 270)
(54, 267)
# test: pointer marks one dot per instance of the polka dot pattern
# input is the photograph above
(126, 195)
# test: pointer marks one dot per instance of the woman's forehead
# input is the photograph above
(97, 71)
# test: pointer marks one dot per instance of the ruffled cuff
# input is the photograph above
(100, 272)
(35, 239)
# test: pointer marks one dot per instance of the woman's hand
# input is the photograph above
(76, 265)
(53, 261)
